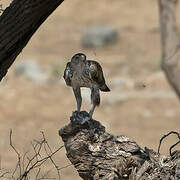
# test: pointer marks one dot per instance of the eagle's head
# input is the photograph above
(78, 58)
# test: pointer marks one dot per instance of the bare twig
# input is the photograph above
(23, 159)
(37, 164)
(18, 165)
(27, 164)
(3, 174)
(38, 173)
(166, 135)
(170, 149)
(53, 162)
(64, 167)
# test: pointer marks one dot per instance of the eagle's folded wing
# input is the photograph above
(96, 74)
(68, 74)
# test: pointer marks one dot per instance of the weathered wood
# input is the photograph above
(170, 42)
(98, 155)
(18, 23)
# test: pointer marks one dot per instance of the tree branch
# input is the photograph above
(18, 23)
(26, 166)
(170, 42)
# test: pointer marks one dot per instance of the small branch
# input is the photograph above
(34, 162)
(37, 164)
(23, 159)
(64, 167)
(3, 174)
(37, 174)
(166, 135)
(53, 162)
(18, 23)
(18, 156)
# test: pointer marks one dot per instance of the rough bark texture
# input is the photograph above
(17, 25)
(170, 43)
(98, 155)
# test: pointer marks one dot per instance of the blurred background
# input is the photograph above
(123, 36)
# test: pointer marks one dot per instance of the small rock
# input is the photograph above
(31, 71)
(99, 36)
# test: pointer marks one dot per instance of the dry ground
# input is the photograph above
(144, 115)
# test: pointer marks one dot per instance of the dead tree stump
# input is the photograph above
(98, 155)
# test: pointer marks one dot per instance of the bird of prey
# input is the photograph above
(80, 72)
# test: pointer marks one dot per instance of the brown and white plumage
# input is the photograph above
(85, 73)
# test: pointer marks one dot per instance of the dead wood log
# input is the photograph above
(170, 42)
(18, 23)
(98, 155)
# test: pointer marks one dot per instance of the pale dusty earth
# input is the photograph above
(144, 114)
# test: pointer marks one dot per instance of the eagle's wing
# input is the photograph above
(96, 74)
(68, 73)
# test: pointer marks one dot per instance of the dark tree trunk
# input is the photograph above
(170, 43)
(98, 155)
(17, 25)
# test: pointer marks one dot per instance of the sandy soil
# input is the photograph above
(143, 114)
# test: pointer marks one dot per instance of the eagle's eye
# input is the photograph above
(83, 57)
